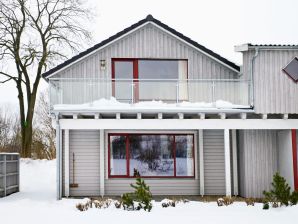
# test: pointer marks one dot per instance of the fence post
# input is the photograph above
(177, 91)
(213, 93)
(4, 177)
(132, 92)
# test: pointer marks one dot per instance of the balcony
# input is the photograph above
(76, 93)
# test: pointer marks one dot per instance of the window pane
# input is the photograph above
(122, 88)
(151, 155)
(184, 155)
(123, 70)
(158, 69)
(118, 155)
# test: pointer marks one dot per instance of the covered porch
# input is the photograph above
(247, 154)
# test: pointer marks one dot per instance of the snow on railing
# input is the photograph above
(65, 91)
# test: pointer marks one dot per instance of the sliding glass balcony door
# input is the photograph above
(154, 79)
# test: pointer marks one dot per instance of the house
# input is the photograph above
(152, 101)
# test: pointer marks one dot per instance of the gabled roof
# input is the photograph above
(149, 18)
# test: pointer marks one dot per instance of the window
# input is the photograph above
(151, 77)
(292, 69)
(151, 155)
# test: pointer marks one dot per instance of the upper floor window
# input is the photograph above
(149, 69)
(152, 79)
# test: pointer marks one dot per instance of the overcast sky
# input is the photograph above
(217, 24)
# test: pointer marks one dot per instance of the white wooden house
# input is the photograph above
(191, 122)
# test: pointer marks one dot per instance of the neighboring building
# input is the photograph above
(191, 122)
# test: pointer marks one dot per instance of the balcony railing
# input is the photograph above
(76, 91)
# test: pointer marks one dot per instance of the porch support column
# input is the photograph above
(58, 158)
(201, 162)
(235, 167)
(66, 161)
(102, 162)
(227, 162)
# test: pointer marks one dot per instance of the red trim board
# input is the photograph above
(295, 165)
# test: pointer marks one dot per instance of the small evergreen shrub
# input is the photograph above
(280, 192)
(127, 201)
(139, 199)
(294, 198)
(266, 206)
(142, 194)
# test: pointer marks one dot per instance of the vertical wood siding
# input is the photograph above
(214, 162)
(274, 91)
(257, 161)
(146, 42)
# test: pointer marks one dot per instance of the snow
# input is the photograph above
(36, 204)
(113, 104)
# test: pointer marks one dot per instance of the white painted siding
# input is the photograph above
(85, 145)
(214, 162)
(257, 161)
(274, 91)
(148, 42)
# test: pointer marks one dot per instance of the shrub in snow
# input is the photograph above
(280, 192)
(228, 200)
(127, 201)
(117, 204)
(168, 203)
(82, 207)
(102, 203)
(220, 202)
(142, 194)
(139, 199)
(294, 198)
(250, 201)
(266, 206)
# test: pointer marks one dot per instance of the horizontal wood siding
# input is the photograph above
(85, 145)
(158, 186)
(257, 161)
(274, 91)
(214, 162)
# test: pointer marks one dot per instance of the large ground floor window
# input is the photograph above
(151, 155)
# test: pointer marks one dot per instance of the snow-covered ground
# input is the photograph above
(36, 204)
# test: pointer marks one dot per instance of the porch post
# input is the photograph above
(235, 167)
(201, 162)
(227, 162)
(58, 149)
(66, 162)
(102, 162)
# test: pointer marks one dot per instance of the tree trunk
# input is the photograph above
(26, 140)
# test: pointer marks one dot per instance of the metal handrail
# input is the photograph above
(180, 80)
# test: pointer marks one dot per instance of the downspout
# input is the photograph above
(252, 77)
(58, 158)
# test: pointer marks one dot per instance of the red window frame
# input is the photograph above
(135, 62)
(128, 156)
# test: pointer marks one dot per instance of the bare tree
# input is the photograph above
(34, 34)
